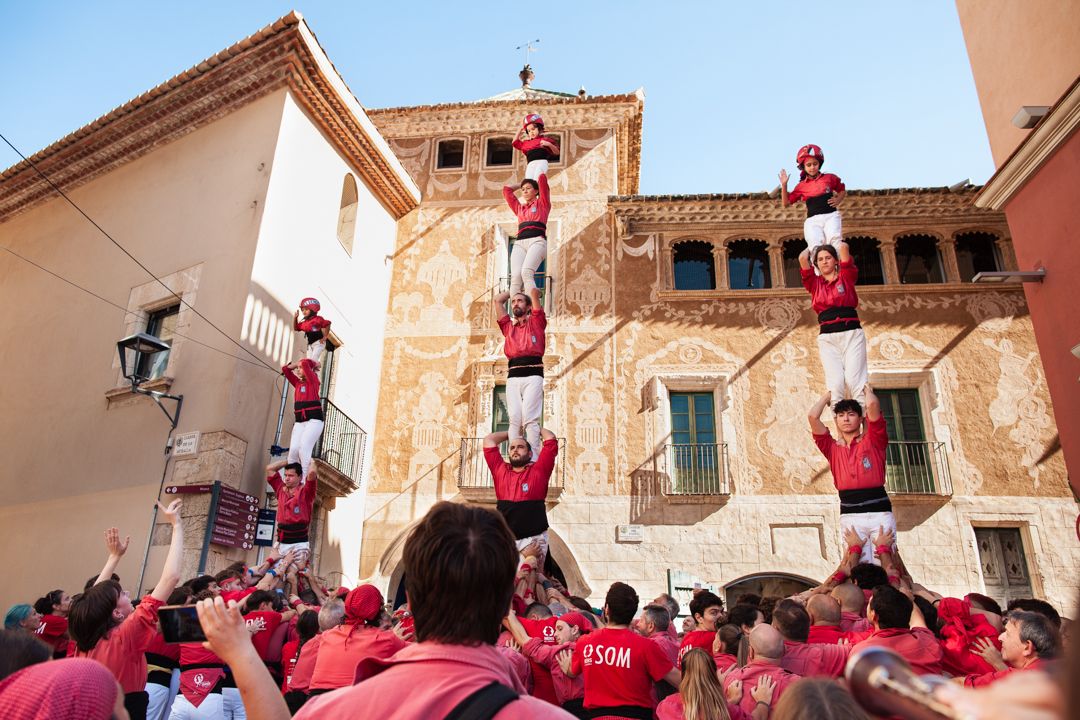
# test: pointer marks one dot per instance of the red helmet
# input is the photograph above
(809, 151)
(533, 119)
(310, 303)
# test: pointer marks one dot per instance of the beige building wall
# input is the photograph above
(1021, 54)
(620, 337)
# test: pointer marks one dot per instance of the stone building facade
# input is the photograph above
(686, 453)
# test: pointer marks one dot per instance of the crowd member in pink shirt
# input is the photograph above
(730, 647)
(824, 612)
(358, 638)
(900, 627)
(766, 654)
(793, 623)
(655, 623)
(852, 608)
(453, 552)
(106, 626)
(701, 694)
(569, 692)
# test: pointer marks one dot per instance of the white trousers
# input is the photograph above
(542, 541)
(212, 708)
(233, 706)
(315, 350)
(821, 229)
(843, 358)
(867, 524)
(302, 442)
(161, 698)
(535, 169)
(524, 259)
(525, 405)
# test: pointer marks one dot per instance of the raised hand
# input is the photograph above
(852, 538)
(984, 648)
(884, 538)
(227, 635)
(783, 178)
(113, 544)
(171, 513)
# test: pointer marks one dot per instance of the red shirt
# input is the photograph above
(162, 654)
(545, 654)
(305, 664)
(530, 145)
(974, 681)
(825, 635)
(288, 662)
(667, 644)
(521, 495)
(200, 672)
(671, 708)
(860, 465)
(815, 660)
(525, 338)
(293, 507)
(918, 646)
(619, 667)
(239, 595)
(264, 623)
(53, 631)
(306, 390)
(340, 653)
(816, 186)
(543, 682)
(749, 676)
(853, 622)
(537, 210)
(313, 324)
(724, 661)
(696, 639)
(426, 680)
(838, 292)
(122, 650)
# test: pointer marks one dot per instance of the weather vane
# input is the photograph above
(528, 48)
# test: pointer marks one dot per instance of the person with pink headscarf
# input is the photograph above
(73, 689)
(356, 639)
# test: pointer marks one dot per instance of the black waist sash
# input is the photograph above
(838, 319)
(634, 712)
(539, 153)
(819, 205)
(531, 229)
(526, 518)
(517, 367)
(290, 533)
(304, 410)
(865, 500)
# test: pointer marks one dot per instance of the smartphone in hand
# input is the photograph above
(180, 624)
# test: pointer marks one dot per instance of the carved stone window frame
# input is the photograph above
(658, 417)
(464, 155)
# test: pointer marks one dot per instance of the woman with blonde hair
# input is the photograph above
(811, 699)
(701, 694)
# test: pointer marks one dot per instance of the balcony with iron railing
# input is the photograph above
(474, 477)
(693, 471)
(917, 468)
(340, 450)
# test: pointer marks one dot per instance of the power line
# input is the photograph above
(121, 307)
(134, 259)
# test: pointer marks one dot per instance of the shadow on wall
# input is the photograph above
(267, 327)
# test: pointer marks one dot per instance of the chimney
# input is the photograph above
(526, 75)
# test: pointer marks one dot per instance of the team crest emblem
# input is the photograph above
(866, 463)
(296, 508)
(840, 288)
(524, 487)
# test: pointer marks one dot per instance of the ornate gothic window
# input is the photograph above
(748, 265)
(918, 260)
(694, 268)
(976, 252)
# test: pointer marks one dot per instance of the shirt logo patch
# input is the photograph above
(303, 388)
(296, 508)
(840, 288)
(866, 463)
(524, 487)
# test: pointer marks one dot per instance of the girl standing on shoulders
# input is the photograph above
(823, 194)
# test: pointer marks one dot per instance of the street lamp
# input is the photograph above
(141, 346)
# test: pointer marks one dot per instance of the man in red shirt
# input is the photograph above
(540, 623)
(524, 345)
(569, 628)
(765, 657)
(1028, 642)
(793, 623)
(852, 603)
(654, 624)
(824, 612)
(899, 626)
(295, 502)
(521, 487)
(706, 609)
(857, 462)
(458, 563)
(620, 666)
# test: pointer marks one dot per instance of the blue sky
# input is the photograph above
(732, 89)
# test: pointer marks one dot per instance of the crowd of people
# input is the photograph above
(487, 633)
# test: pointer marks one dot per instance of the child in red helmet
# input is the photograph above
(537, 148)
(823, 194)
(315, 328)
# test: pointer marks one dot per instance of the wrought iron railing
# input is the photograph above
(696, 469)
(342, 443)
(917, 467)
(473, 471)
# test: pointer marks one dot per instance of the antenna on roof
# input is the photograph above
(528, 48)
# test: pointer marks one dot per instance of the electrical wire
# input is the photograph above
(134, 259)
(126, 311)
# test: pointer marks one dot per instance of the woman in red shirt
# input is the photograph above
(530, 243)
(53, 630)
(107, 628)
(358, 638)
(841, 340)
(307, 627)
(307, 411)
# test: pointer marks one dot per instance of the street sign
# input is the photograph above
(186, 444)
(188, 489)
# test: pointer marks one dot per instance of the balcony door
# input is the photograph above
(1004, 565)
(694, 461)
(907, 462)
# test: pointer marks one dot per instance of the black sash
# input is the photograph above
(531, 229)
(838, 319)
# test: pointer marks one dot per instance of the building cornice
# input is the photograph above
(645, 213)
(623, 113)
(1051, 132)
(284, 54)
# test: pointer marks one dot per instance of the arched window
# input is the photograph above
(346, 222)
(976, 252)
(918, 260)
(694, 268)
(792, 249)
(866, 252)
(748, 265)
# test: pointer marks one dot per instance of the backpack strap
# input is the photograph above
(483, 704)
